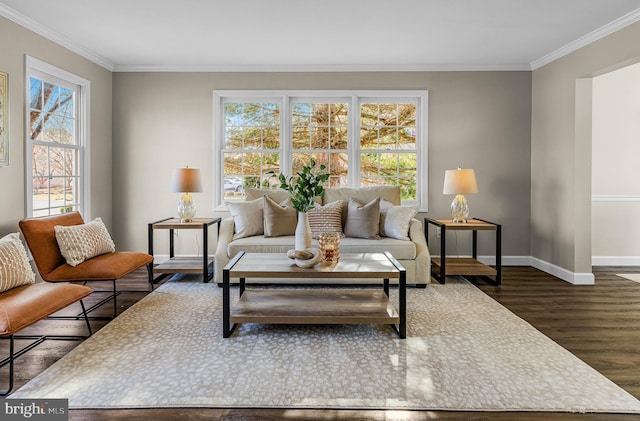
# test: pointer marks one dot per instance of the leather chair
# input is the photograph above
(39, 234)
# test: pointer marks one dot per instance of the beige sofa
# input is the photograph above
(413, 253)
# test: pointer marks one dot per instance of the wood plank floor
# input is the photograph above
(600, 324)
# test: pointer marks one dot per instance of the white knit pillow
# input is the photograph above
(15, 269)
(81, 242)
(326, 218)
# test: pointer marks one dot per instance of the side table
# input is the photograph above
(444, 266)
(175, 264)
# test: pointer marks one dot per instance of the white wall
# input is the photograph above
(616, 167)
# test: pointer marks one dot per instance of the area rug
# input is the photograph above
(464, 351)
(631, 276)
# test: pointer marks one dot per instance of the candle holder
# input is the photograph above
(329, 243)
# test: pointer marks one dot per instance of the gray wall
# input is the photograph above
(15, 42)
(478, 120)
(561, 149)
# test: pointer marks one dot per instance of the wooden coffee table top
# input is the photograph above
(351, 265)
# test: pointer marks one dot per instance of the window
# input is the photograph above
(364, 138)
(56, 140)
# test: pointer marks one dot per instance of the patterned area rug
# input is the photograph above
(631, 276)
(464, 351)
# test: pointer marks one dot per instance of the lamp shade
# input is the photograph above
(185, 180)
(460, 181)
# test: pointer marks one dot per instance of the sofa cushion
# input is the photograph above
(362, 195)
(363, 221)
(279, 195)
(327, 218)
(395, 220)
(401, 250)
(78, 243)
(279, 218)
(15, 269)
(247, 217)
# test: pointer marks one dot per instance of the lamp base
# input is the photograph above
(186, 208)
(459, 209)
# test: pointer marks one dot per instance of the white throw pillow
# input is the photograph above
(395, 220)
(15, 269)
(81, 242)
(247, 217)
(279, 218)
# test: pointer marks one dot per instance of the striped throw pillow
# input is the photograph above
(327, 218)
(81, 242)
(15, 269)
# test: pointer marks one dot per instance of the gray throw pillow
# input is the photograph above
(363, 221)
(279, 218)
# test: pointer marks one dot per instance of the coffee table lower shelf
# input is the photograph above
(325, 306)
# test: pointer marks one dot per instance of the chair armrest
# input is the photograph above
(227, 228)
(423, 257)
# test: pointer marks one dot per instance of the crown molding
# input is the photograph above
(323, 68)
(608, 29)
(53, 36)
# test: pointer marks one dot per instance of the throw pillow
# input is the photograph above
(363, 221)
(15, 269)
(279, 218)
(395, 220)
(327, 218)
(247, 218)
(81, 242)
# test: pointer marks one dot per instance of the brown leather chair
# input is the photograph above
(22, 306)
(40, 237)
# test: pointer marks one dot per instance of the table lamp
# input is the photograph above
(460, 182)
(186, 180)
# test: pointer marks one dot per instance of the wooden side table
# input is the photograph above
(175, 264)
(444, 266)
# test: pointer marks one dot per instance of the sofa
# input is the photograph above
(265, 223)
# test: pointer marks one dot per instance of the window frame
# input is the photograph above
(82, 88)
(354, 98)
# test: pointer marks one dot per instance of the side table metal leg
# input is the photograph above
(402, 294)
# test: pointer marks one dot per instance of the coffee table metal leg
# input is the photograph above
(241, 286)
(386, 286)
(226, 303)
(402, 298)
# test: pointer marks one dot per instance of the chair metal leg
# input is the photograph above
(5, 393)
(86, 318)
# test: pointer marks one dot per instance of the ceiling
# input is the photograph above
(341, 35)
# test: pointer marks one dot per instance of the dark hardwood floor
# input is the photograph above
(599, 323)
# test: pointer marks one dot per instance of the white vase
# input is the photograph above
(303, 232)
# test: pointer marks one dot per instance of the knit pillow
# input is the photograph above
(82, 242)
(15, 269)
(326, 218)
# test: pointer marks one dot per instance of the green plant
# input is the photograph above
(304, 187)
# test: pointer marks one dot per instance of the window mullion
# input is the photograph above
(353, 147)
(286, 137)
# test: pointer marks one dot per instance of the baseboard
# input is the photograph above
(615, 260)
(562, 273)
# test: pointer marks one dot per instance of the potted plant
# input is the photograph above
(304, 187)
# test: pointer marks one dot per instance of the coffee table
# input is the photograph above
(315, 305)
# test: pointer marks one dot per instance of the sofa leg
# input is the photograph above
(421, 286)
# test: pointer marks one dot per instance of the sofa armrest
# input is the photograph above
(227, 228)
(423, 257)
